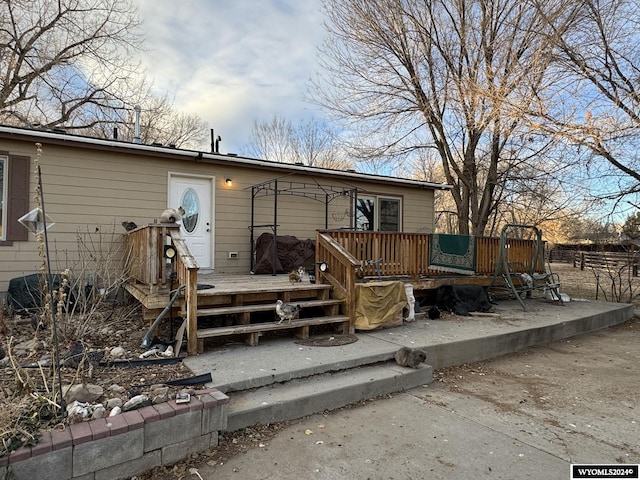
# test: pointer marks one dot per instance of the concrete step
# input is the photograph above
(304, 396)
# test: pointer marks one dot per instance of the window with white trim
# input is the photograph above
(379, 213)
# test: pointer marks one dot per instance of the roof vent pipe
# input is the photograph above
(215, 142)
(136, 138)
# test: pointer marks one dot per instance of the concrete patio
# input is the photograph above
(284, 380)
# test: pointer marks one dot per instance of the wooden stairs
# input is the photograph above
(247, 310)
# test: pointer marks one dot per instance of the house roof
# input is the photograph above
(63, 138)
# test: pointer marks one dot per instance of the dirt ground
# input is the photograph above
(580, 390)
(27, 380)
(606, 285)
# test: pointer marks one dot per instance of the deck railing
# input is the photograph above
(404, 254)
(407, 254)
(145, 248)
(148, 266)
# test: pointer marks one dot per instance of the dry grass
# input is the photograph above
(602, 285)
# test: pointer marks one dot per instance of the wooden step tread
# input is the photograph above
(205, 312)
(247, 289)
(268, 326)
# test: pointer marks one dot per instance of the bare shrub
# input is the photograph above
(615, 278)
(94, 279)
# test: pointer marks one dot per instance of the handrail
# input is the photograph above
(187, 272)
(402, 253)
(341, 272)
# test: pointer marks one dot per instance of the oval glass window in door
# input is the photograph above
(191, 206)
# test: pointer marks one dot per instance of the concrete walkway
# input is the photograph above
(451, 340)
(523, 416)
(411, 435)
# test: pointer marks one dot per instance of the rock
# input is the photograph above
(85, 392)
(115, 411)
(115, 388)
(114, 402)
(159, 394)
(78, 411)
(25, 347)
(45, 360)
(117, 352)
(98, 411)
(138, 401)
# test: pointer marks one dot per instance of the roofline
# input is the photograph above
(62, 138)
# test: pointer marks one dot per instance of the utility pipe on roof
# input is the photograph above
(136, 138)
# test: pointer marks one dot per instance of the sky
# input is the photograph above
(232, 62)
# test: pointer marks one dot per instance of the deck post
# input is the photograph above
(192, 312)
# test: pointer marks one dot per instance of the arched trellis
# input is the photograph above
(313, 190)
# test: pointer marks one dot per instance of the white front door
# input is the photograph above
(195, 195)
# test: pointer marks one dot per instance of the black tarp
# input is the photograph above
(26, 292)
(462, 299)
(291, 253)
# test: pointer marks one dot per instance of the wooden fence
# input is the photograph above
(612, 261)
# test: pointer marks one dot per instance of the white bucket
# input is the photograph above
(411, 300)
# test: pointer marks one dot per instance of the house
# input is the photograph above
(93, 185)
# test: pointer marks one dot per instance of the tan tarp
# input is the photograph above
(379, 304)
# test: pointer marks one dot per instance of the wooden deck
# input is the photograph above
(332, 300)
(225, 286)
(250, 300)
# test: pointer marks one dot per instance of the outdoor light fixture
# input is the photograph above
(169, 252)
(228, 182)
(323, 266)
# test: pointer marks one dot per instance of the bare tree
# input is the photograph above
(595, 101)
(312, 143)
(160, 123)
(539, 191)
(317, 145)
(272, 140)
(450, 76)
(65, 62)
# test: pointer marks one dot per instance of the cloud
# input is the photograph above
(233, 62)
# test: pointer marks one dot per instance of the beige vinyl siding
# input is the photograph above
(88, 189)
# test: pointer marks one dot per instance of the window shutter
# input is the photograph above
(17, 196)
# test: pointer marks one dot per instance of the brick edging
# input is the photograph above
(102, 428)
